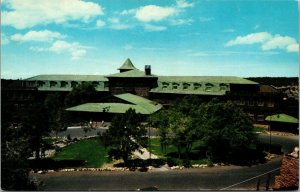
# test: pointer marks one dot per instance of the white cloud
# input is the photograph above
(24, 14)
(154, 13)
(128, 12)
(149, 27)
(267, 41)
(184, 4)
(115, 23)
(40, 36)
(75, 49)
(100, 23)
(293, 48)
(181, 21)
(278, 42)
(4, 39)
(250, 39)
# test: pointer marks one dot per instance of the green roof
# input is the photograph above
(68, 78)
(132, 74)
(209, 79)
(282, 118)
(140, 104)
(147, 104)
(127, 65)
(198, 85)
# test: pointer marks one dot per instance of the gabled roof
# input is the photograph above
(68, 78)
(132, 74)
(127, 65)
(140, 104)
(282, 118)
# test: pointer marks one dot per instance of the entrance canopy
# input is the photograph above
(284, 118)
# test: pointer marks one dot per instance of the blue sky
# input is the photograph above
(176, 37)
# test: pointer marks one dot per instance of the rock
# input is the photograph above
(40, 172)
(289, 174)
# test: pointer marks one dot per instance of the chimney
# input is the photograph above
(147, 69)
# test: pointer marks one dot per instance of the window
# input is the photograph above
(40, 83)
(197, 86)
(260, 118)
(208, 87)
(63, 84)
(95, 83)
(251, 102)
(53, 83)
(186, 86)
(251, 115)
(165, 85)
(240, 102)
(260, 103)
(270, 104)
(223, 87)
(175, 86)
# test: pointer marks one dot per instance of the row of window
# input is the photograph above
(195, 86)
(65, 84)
(259, 117)
(259, 103)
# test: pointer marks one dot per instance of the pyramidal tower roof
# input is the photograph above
(127, 65)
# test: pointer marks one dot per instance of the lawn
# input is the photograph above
(89, 150)
(196, 155)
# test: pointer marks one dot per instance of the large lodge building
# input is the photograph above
(148, 93)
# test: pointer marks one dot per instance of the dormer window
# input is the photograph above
(186, 86)
(40, 83)
(53, 83)
(63, 84)
(223, 87)
(175, 86)
(197, 86)
(165, 85)
(208, 87)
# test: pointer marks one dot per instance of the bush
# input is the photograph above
(172, 162)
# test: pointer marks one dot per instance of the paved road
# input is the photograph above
(215, 178)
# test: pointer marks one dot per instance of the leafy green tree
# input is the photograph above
(35, 126)
(125, 135)
(160, 120)
(175, 125)
(82, 93)
(15, 150)
(57, 116)
(226, 129)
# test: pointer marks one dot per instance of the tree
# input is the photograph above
(35, 126)
(125, 135)
(175, 125)
(57, 116)
(160, 120)
(15, 150)
(226, 129)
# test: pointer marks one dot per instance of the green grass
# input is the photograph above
(156, 149)
(89, 150)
